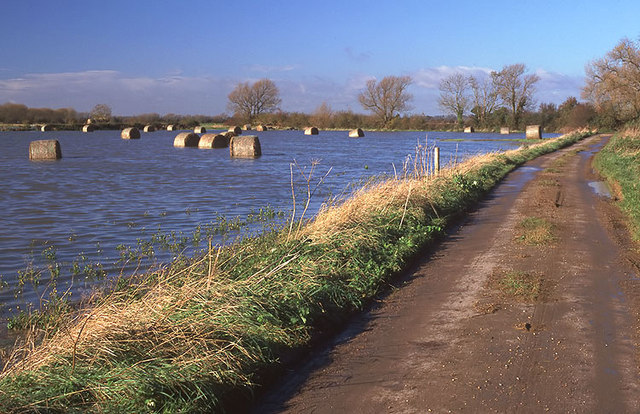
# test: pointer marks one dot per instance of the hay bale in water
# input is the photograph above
(534, 132)
(246, 146)
(88, 128)
(149, 128)
(505, 130)
(186, 139)
(236, 130)
(246, 127)
(130, 133)
(356, 133)
(172, 127)
(200, 130)
(45, 149)
(89, 121)
(46, 128)
(469, 130)
(311, 131)
(261, 128)
(214, 141)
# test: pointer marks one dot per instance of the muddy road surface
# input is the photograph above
(530, 306)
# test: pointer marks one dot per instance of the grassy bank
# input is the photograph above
(199, 335)
(619, 163)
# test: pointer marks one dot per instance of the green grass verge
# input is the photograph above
(199, 335)
(619, 163)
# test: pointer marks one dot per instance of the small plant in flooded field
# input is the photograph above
(535, 231)
(520, 285)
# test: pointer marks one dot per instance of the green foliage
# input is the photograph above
(619, 162)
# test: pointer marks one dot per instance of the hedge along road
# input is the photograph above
(530, 305)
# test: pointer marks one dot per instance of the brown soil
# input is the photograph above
(458, 338)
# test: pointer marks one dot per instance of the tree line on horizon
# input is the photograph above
(502, 98)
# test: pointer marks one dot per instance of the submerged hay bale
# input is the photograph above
(172, 127)
(505, 130)
(246, 127)
(229, 135)
(45, 149)
(356, 133)
(534, 132)
(200, 130)
(186, 139)
(149, 128)
(311, 131)
(130, 133)
(89, 121)
(214, 141)
(261, 128)
(247, 146)
(46, 128)
(236, 130)
(469, 130)
(88, 128)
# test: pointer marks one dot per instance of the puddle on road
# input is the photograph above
(601, 188)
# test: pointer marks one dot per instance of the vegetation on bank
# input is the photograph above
(619, 163)
(200, 334)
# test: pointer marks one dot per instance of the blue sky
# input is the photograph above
(186, 56)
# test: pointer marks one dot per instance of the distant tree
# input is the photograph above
(454, 96)
(249, 101)
(485, 98)
(516, 89)
(613, 82)
(387, 98)
(322, 116)
(101, 113)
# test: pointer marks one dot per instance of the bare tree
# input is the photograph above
(101, 113)
(250, 101)
(613, 82)
(485, 98)
(387, 98)
(454, 96)
(322, 116)
(516, 89)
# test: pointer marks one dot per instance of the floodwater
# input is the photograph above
(107, 192)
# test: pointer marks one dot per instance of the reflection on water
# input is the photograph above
(601, 188)
(107, 191)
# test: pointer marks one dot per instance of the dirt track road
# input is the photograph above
(450, 340)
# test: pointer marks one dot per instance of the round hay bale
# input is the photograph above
(261, 128)
(46, 128)
(149, 128)
(505, 130)
(246, 127)
(45, 149)
(89, 121)
(469, 130)
(236, 130)
(534, 132)
(311, 131)
(246, 146)
(172, 127)
(356, 133)
(214, 141)
(186, 139)
(88, 128)
(130, 133)
(200, 130)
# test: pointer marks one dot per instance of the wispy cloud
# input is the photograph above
(125, 94)
(272, 69)
(357, 56)
(431, 77)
